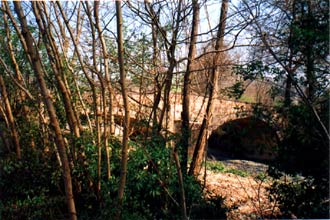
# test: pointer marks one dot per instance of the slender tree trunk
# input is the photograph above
(186, 88)
(157, 84)
(181, 186)
(287, 95)
(10, 117)
(124, 152)
(57, 67)
(310, 76)
(3, 133)
(91, 83)
(169, 75)
(106, 113)
(82, 103)
(97, 106)
(201, 141)
(288, 83)
(37, 67)
(19, 78)
(5, 140)
(16, 27)
(64, 44)
(309, 59)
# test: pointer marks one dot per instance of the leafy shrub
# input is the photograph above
(32, 188)
(27, 192)
(152, 188)
(212, 208)
(300, 197)
(215, 166)
(303, 151)
(237, 172)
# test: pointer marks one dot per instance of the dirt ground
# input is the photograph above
(246, 197)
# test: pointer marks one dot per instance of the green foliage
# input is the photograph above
(212, 208)
(219, 167)
(237, 172)
(256, 70)
(31, 133)
(300, 197)
(215, 166)
(32, 188)
(311, 31)
(152, 190)
(304, 144)
(26, 190)
(245, 98)
(152, 185)
(262, 176)
(304, 151)
(235, 91)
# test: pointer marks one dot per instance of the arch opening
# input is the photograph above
(246, 138)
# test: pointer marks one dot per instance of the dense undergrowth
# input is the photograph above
(32, 188)
(301, 171)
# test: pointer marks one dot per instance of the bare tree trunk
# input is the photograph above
(287, 95)
(124, 151)
(92, 85)
(186, 88)
(3, 133)
(96, 103)
(5, 140)
(170, 51)
(19, 78)
(201, 141)
(16, 26)
(64, 44)
(10, 117)
(38, 70)
(106, 113)
(57, 67)
(155, 63)
(181, 186)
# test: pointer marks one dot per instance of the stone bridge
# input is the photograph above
(224, 111)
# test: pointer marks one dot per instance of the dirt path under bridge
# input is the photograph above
(246, 197)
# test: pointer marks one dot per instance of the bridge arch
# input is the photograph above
(244, 138)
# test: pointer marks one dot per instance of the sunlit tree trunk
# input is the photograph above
(38, 70)
(181, 186)
(155, 65)
(99, 102)
(201, 141)
(57, 67)
(157, 85)
(186, 88)
(90, 82)
(108, 127)
(10, 117)
(19, 77)
(124, 151)
(170, 52)
(64, 42)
